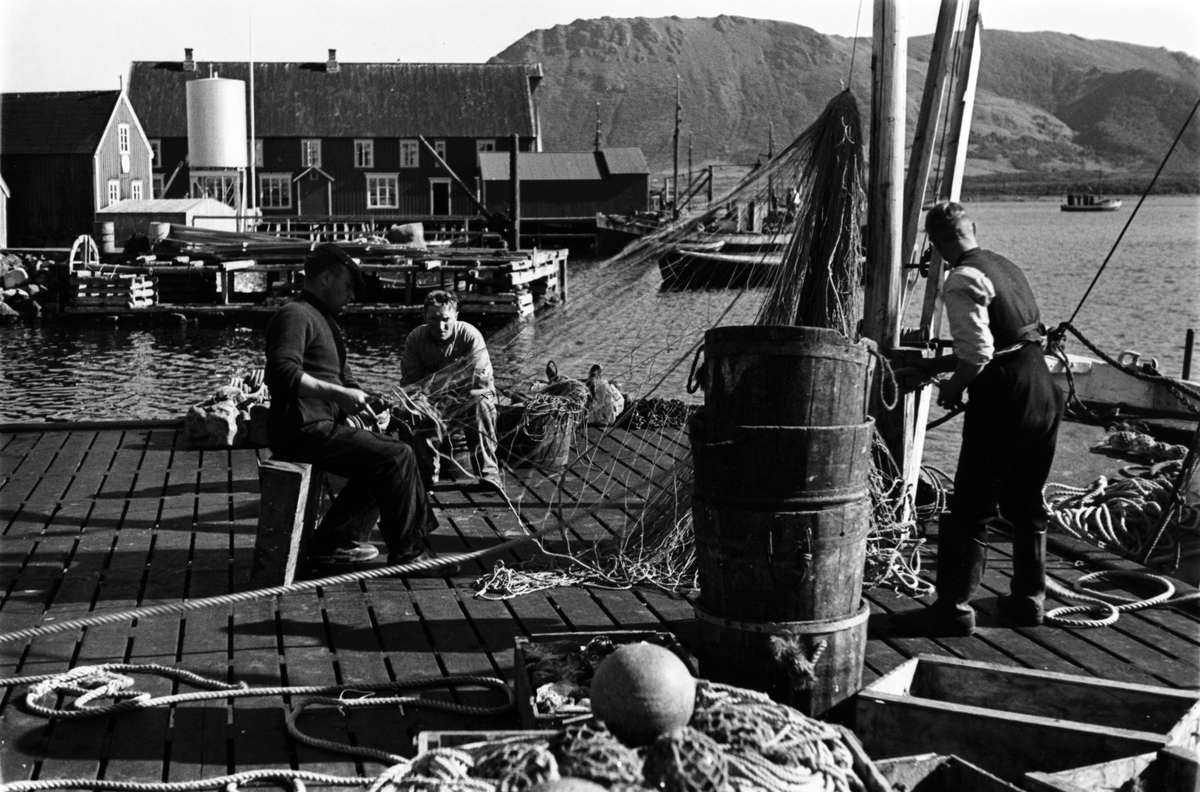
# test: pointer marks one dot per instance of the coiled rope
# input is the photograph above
(1110, 605)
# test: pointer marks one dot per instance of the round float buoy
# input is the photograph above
(642, 691)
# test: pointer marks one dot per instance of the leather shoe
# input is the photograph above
(1020, 611)
(934, 622)
(345, 553)
(445, 569)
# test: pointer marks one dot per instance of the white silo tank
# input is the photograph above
(216, 119)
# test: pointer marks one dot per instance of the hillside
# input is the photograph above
(1047, 102)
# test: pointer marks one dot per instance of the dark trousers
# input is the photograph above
(381, 483)
(1009, 435)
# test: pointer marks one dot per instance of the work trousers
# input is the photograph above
(475, 416)
(1010, 431)
(382, 484)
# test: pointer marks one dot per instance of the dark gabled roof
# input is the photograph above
(541, 166)
(625, 160)
(69, 122)
(356, 100)
(563, 165)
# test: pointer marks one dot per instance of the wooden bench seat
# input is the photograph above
(288, 513)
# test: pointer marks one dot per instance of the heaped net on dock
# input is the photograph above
(782, 247)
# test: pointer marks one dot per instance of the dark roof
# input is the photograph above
(625, 160)
(69, 122)
(563, 165)
(356, 100)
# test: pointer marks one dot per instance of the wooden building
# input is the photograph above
(569, 184)
(342, 138)
(140, 217)
(66, 155)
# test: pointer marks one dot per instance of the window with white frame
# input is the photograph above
(156, 184)
(122, 138)
(156, 152)
(485, 145)
(440, 147)
(114, 191)
(310, 153)
(258, 153)
(135, 189)
(364, 153)
(275, 190)
(408, 153)
(383, 190)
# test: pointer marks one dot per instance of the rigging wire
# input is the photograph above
(854, 47)
(1133, 214)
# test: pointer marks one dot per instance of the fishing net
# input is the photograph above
(793, 226)
(737, 739)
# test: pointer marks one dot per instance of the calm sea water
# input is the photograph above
(617, 317)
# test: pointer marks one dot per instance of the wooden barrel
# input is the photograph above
(105, 234)
(809, 665)
(784, 375)
(788, 466)
(759, 565)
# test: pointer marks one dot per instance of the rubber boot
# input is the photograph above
(1025, 606)
(961, 563)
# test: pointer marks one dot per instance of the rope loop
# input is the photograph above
(694, 383)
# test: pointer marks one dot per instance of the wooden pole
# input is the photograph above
(958, 130)
(882, 283)
(675, 182)
(937, 84)
(515, 197)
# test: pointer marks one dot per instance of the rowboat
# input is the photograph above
(684, 268)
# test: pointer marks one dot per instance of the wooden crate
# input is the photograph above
(526, 701)
(937, 773)
(1012, 721)
(431, 740)
(1173, 769)
(121, 291)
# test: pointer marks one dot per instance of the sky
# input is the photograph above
(66, 45)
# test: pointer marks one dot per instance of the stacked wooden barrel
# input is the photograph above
(781, 509)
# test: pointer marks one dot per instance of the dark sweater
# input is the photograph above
(303, 338)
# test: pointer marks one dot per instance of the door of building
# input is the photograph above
(439, 196)
(313, 193)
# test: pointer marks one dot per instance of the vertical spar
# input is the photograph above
(675, 182)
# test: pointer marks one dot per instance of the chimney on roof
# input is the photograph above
(331, 65)
(188, 63)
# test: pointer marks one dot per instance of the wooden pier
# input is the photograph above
(102, 518)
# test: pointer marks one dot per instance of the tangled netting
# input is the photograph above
(737, 739)
(798, 218)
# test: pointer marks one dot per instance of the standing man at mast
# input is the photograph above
(1009, 432)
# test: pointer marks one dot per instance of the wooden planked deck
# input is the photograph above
(102, 520)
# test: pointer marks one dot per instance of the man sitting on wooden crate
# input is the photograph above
(313, 394)
(448, 361)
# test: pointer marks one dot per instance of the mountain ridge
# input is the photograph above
(1049, 103)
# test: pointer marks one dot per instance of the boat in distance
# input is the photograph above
(1086, 202)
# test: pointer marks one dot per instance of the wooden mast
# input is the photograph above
(958, 131)
(882, 282)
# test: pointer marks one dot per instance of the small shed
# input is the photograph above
(568, 184)
(139, 217)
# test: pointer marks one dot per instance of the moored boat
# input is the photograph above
(684, 268)
(1086, 202)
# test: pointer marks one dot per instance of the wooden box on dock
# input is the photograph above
(432, 740)
(938, 773)
(526, 690)
(1173, 769)
(1011, 721)
(120, 291)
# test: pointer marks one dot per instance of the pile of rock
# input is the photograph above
(235, 415)
(30, 286)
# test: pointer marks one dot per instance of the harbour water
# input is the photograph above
(1146, 299)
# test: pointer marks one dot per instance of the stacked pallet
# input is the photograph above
(117, 291)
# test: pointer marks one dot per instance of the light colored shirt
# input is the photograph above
(459, 362)
(966, 295)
